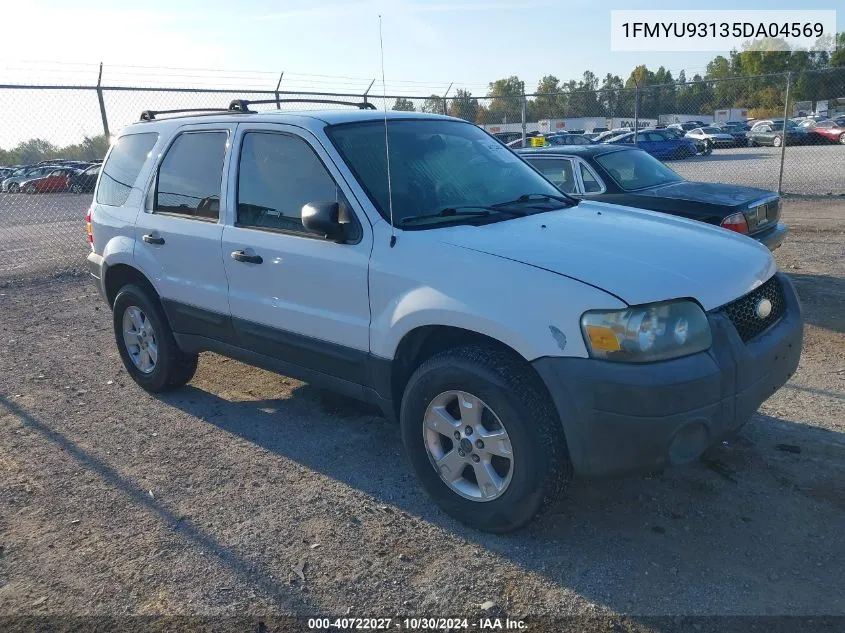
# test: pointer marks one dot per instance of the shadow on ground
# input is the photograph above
(823, 300)
(755, 524)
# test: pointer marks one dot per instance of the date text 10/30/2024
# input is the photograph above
(415, 624)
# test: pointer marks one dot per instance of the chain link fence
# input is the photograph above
(42, 227)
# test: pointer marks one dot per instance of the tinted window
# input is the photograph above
(635, 169)
(190, 174)
(591, 185)
(434, 165)
(125, 161)
(558, 171)
(278, 175)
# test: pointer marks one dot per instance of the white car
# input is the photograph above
(713, 135)
(518, 335)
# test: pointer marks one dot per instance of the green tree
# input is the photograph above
(403, 105)
(548, 102)
(506, 100)
(464, 106)
(433, 104)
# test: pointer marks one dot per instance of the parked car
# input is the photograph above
(517, 335)
(84, 180)
(658, 143)
(739, 132)
(606, 134)
(771, 133)
(568, 139)
(13, 183)
(712, 136)
(55, 180)
(686, 126)
(633, 178)
(829, 131)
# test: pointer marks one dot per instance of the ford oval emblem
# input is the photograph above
(763, 309)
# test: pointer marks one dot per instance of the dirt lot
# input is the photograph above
(212, 499)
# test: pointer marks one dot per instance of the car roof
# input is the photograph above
(302, 118)
(575, 150)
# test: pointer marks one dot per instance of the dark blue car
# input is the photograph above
(658, 143)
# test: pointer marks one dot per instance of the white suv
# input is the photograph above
(518, 335)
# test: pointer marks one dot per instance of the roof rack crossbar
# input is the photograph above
(242, 105)
(149, 115)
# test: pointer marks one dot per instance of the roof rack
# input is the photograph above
(149, 115)
(242, 105)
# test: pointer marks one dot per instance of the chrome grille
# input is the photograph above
(743, 315)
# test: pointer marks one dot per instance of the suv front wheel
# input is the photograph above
(146, 344)
(483, 437)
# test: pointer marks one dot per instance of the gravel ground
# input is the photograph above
(252, 493)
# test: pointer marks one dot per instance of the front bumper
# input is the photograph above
(773, 237)
(97, 270)
(620, 418)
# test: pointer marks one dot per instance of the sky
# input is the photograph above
(335, 43)
(321, 45)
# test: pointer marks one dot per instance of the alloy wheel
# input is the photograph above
(139, 337)
(468, 446)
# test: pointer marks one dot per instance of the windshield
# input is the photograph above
(712, 130)
(635, 169)
(434, 165)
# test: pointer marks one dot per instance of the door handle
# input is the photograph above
(248, 259)
(153, 239)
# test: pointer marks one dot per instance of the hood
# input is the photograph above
(639, 256)
(707, 192)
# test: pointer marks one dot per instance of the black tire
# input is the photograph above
(173, 368)
(751, 142)
(30, 189)
(777, 141)
(842, 138)
(541, 465)
(14, 188)
(76, 188)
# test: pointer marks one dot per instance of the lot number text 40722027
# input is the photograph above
(415, 624)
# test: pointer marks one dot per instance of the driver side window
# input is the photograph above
(189, 178)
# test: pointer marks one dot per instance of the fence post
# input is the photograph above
(445, 112)
(636, 111)
(279, 83)
(367, 91)
(102, 102)
(524, 128)
(785, 129)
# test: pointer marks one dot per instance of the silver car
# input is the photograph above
(711, 135)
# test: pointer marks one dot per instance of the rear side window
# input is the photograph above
(591, 184)
(559, 171)
(190, 175)
(124, 164)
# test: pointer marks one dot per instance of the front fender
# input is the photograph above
(425, 282)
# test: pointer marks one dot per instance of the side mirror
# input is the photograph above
(330, 219)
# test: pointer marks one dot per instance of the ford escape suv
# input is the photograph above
(519, 336)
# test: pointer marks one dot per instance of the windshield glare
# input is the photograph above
(434, 165)
(635, 169)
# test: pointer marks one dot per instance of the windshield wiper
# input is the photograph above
(539, 197)
(462, 211)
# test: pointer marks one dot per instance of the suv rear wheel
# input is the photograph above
(483, 437)
(146, 344)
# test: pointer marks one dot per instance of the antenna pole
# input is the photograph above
(386, 141)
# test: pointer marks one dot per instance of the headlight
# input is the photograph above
(642, 334)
